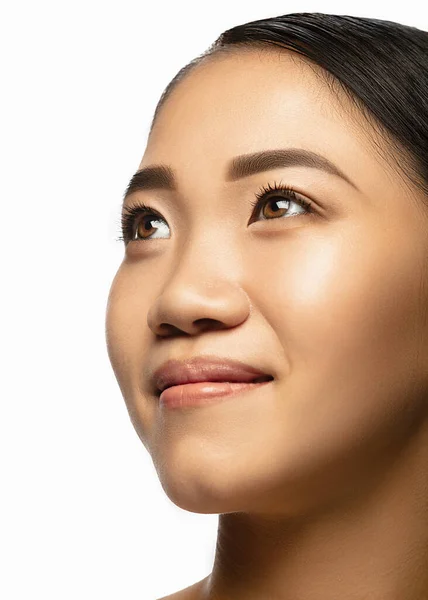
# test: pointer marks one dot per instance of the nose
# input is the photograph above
(202, 293)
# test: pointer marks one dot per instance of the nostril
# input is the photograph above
(206, 323)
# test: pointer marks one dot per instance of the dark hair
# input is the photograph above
(381, 66)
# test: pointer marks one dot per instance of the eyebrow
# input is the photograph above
(163, 177)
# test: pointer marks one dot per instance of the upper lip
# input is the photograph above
(205, 368)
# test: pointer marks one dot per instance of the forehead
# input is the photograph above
(240, 91)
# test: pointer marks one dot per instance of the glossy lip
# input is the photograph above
(205, 368)
(192, 395)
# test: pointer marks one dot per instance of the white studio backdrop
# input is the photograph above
(82, 513)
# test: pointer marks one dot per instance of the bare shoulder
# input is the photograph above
(192, 592)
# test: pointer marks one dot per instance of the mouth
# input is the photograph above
(206, 368)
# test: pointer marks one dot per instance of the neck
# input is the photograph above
(376, 547)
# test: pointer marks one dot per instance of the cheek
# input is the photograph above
(345, 300)
(125, 329)
(126, 335)
(346, 315)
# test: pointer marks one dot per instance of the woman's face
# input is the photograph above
(332, 302)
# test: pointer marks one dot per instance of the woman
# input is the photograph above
(279, 218)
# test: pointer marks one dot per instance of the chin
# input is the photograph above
(203, 488)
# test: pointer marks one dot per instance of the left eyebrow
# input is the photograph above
(244, 165)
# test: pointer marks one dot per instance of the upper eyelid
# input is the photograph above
(265, 191)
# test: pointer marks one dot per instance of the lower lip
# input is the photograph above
(203, 393)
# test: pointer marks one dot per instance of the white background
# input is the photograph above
(83, 515)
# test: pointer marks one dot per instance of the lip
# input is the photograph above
(205, 368)
(191, 395)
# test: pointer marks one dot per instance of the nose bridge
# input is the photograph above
(207, 259)
(212, 251)
(203, 283)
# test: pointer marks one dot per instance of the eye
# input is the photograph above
(140, 222)
(275, 202)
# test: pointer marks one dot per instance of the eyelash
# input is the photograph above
(131, 213)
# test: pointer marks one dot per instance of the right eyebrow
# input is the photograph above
(244, 165)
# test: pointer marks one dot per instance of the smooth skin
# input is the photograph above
(320, 477)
